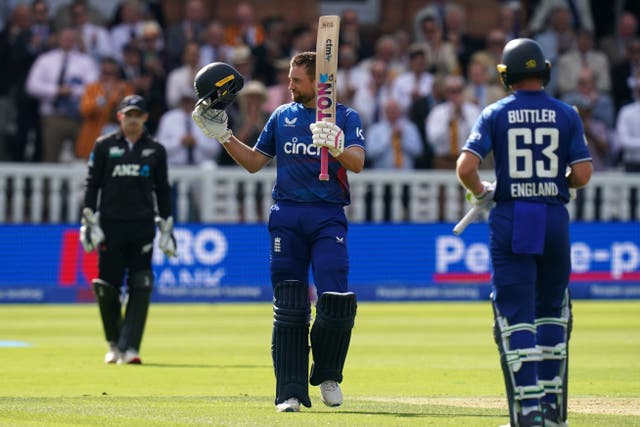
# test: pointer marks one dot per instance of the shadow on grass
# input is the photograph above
(197, 365)
(410, 414)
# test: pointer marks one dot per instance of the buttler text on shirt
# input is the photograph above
(531, 116)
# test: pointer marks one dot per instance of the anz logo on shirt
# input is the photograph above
(131, 170)
(300, 148)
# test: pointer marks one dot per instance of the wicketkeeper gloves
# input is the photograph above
(167, 242)
(329, 135)
(91, 235)
(212, 122)
(484, 200)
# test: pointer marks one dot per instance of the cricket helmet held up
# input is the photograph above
(217, 85)
(523, 58)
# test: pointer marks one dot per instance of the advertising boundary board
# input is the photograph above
(388, 262)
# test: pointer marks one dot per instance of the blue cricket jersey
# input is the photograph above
(287, 137)
(534, 137)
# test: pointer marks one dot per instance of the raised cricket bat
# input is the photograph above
(326, 71)
(471, 215)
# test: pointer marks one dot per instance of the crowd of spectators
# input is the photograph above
(418, 89)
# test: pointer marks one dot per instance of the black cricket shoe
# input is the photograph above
(552, 416)
(532, 419)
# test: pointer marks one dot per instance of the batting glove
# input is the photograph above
(484, 200)
(91, 235)
(167, 242)
(573, 193)
(329, 135)
(212, 122)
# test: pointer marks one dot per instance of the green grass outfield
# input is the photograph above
(413, 364)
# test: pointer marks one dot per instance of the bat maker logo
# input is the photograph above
(328, 50)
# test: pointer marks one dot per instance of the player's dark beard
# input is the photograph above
(302, 98)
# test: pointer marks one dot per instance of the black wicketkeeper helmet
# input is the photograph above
(523, 58)
(217, 85)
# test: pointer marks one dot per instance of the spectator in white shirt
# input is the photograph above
(129, 30)
(387, 51)
(371, 95)
(600, 103)
(628, 138)
(58, 79)
(580, 16)
(449, 124)
(584, 55)
(214, 48)
(62, 16)
(350, 74)
(393, 142)
(253, 117)
(416, 82)
(188, 29)
(185, 143)
(94, 39)
(557, 39)
(628, 129)
(479, 90)
(186, 146)
(181, 79)
(614, 45)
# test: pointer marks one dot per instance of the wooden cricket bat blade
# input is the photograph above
(326, 71)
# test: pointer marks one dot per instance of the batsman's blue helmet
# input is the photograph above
(217, 84)
(523, 58)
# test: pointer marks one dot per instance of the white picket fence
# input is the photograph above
(53, 193)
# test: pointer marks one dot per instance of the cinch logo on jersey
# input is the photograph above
(130, 170)
(300, 148)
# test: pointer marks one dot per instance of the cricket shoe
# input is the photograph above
(112, 355)
(292, 404)
(129, 357)
(552, 416)
(331, 393)
(532, 419)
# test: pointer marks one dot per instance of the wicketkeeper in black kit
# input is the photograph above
(126, 169)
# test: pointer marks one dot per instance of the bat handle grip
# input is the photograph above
(324, 164)
(469, 217)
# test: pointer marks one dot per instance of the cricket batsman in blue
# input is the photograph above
(307, 224)
(540, 154)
